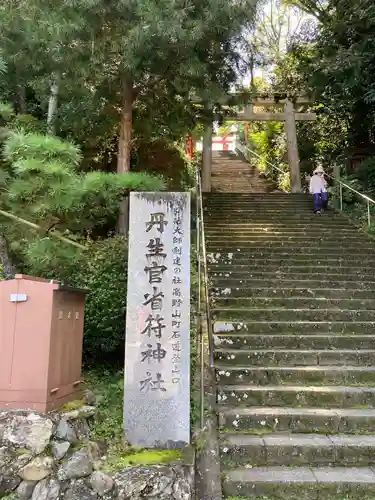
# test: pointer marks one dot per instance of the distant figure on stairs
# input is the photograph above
(318, 190)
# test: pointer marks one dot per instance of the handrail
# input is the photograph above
(203, 276)
(241, 147)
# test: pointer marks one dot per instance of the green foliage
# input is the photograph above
(108, 386)
(268, 141)
(365, 174)
(42, 184)
(101, 270)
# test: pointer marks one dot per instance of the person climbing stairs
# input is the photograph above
(293, 311)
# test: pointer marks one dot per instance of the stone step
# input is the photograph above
(292, 272)
(300, 483)
(299, 302)
(241, 258)
(257, 314)
(297, 450)
(215, 223)
(275, 216)
(295, 327)
(294, 375)
(353, 268)
(320, 246)
(285, 251)
(295, 357)
(298, 239)
(260, 293)
(264, 420)
(301, 396)
(271, 196)
(297, 341)
(276, 284)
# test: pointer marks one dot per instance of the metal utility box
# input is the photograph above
(41, 337)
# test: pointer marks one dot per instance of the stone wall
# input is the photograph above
(52, 457)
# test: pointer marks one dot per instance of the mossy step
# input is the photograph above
(294, 326)
(299, 302)
(279, 314)
(295, 375)
(286, 231)
(234, 269)
(307, 293)
(263, 420)
(225, 262)
(263, 212)
(297, 450)
(291, 260)
(212, 225)
(276, 283)
(279, 254)
(266, 251)
(288, 357)
(284, 272)
(300, 240)
(215, 223)
(326, 341)
(300, 483)
(301, 396)
(222, 243)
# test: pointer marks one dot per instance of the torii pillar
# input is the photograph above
(207, 159)
(293, 156)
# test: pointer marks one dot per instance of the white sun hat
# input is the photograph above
(319, 170)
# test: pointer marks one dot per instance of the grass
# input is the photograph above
(109, 388)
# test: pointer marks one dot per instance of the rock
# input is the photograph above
(89, 397)
(79, 491)
(37, 469)
(93, 450)
(49, 489)
(6, 456)
(3, 422)
(8, 484)
(156, 482)
(66, 432)
(59, 450)
(81, 428)
(30, 431)
(182, 489)
(84, 412)
(77, 466)
(101, 483)
(25, 490)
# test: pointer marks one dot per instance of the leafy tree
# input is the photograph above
(40, 182)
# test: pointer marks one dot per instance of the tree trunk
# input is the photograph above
(6, 266)
(21, 99)
(52, 108)
(124, 149)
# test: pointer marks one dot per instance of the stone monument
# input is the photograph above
(157, 349)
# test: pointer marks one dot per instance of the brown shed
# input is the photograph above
(41, 337)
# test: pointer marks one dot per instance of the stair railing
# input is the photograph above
(204, 309)
(245, 151)
(342, 185)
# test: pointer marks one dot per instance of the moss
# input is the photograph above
(120, 459)
(21, 451)
(73, 405)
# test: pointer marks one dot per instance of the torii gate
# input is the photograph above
(289, 116)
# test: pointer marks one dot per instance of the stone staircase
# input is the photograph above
(230, 173)
(293, 304)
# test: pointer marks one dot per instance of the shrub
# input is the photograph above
(102, 270)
